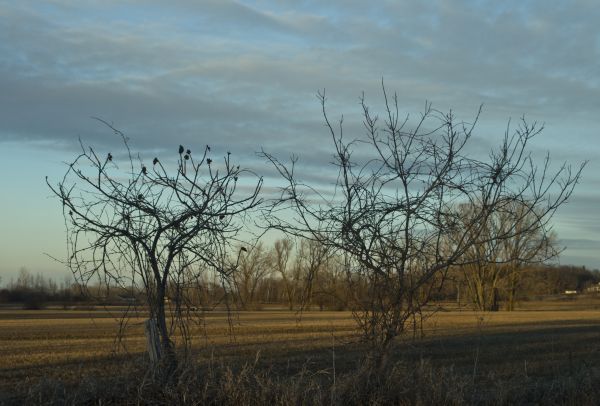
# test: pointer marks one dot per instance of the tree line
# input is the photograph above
(297, 275)
(34, 291)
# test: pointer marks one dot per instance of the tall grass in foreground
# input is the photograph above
(369, 383)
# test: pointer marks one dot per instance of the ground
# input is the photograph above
(553, 338)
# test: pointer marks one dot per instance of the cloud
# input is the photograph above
(264, 72)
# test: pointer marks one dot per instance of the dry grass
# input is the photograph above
(556, 344)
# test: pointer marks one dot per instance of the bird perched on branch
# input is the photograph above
(181, 149)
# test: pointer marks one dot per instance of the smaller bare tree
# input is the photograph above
(281, 254)
(311, 259)
(254, 266)
(154, 226)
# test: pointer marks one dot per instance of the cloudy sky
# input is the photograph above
(241, 75)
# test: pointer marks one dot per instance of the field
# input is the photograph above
(540, 343)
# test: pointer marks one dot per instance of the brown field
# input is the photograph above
(553, 338)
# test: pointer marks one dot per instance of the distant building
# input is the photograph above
(593, 289)
(128, 299)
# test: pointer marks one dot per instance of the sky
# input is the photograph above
(243, 75)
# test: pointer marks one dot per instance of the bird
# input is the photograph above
(221, 217)
(181, 149)
(243, 249)
(186, 157)
(188, 152)
(155, 161)
(140, 197)
(109, 157)
(209, 161)
(144, 170)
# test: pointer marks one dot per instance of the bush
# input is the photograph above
(374, 381)
(33, 302)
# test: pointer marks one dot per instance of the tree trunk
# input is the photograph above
(495, 306)
(152, 341)
(160, 346)
(512, 291)
(510, 306)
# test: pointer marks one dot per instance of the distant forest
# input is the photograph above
(294, 281)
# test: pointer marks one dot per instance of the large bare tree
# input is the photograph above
(393, 211)
(515, 236)
(154, 226)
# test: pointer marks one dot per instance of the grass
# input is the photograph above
(547, 349)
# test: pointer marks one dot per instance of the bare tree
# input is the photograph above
(393, 212)
(311, 259)
(533, 242)
(516, 235)
(254, 266)
(154, 225)
(282, 250)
